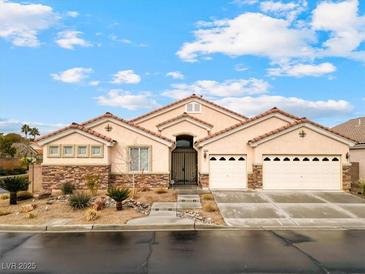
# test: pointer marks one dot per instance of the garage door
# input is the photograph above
(227, 171)
(302, 172)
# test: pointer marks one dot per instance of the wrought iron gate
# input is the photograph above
(184, 166)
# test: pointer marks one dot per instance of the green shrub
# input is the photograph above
(118, 195)
(210, 208)
(207, 197)
(93, 184)
(24, 195)
(362, 186)
(67, 188)
(13, 185)
(79, 200)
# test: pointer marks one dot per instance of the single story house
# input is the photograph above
(355, 129)
(197, 142)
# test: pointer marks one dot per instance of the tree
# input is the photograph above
(13, 185)
(34, 132)
(26, 129)
(6, 146)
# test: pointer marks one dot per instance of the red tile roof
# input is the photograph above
(193, 96)
(110, 115)
(354, 128)
(273, 110)
(296, 122)
(184, 115)
(80, 127)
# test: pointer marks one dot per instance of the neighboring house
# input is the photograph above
(194, 141)
(355, 129)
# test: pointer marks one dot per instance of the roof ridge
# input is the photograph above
(182, 100)
(184, 115)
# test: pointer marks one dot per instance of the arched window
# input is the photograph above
(325, 159)
(213, 159)
(241, 159)
(231, 159)
(305, 159)
(276, 159)
(286, 159)
(315, 159)
(267, 159)
(335, 159)
(296, 159)
(222, 159)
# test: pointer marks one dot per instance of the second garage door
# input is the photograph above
(227, 172)
(302, 172)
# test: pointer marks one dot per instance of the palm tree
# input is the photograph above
(34, 132)
(26, 129)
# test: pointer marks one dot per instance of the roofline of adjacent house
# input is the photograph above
(193, 96)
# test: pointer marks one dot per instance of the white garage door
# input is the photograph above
(302, 172)
(227, 171)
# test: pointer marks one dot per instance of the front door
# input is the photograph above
(184, 166)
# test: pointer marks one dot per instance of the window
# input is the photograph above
(193, 107)
(53, 151)
(96, 151)
(82, 151)
(67, 151)
(139, 158)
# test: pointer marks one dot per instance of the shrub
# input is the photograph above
(161, 190)
(93, 184)
(210, 208)
(31, 215)
(4, 196)
(24, 195)
(144, 189)
(67, 188)
(13, 185)
(362, 186)
(4, 212)
(118, 195)
(79, 200)
(207, 197)
(91, 215)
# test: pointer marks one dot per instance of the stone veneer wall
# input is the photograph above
(346, 177)
(141, 180)
(55, 176)
(204, 180)
(254, 180)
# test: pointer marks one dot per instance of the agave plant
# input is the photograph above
(13, 185)
(118, 195)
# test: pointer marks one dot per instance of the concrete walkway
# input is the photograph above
(291, 209)
(165, 212)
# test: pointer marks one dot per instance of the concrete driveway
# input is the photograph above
(291, 209)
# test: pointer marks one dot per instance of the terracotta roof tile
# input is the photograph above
(183, 116)
(354, 128)
(296, 122)
(80, 127)
(183, 100)
(110, 115)
(273, 110)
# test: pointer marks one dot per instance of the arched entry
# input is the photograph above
(184, 168)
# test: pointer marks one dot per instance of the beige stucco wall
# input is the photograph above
(184, 127)
(358, 155)
(236, 143)
(312, 143)
(75, 139)
(125, 137)
(208, 114)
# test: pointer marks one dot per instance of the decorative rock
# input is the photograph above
(43, 195)
(28, 208)
(99, 204)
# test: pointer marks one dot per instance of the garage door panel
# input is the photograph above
(309, 172)
(227, 172)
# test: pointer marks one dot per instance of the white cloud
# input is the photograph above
(14, 125)
(126, 77)
(21, 23)
(287, 10)
(301, 70)
(240, 67)
(347, 29)
(249, 34)
(313, 109)
(73, 75)
(69, 39)
(127, 100)
(94, 83)
(175, 75)
(237, 87)
(73, 14)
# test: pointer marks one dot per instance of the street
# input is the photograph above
(246, 251)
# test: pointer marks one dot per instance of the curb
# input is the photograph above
(21, 228)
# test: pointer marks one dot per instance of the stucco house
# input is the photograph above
(355, 129)
(197, 142)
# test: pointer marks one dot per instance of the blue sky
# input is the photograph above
(65, 61)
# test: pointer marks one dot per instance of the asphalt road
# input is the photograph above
(250, 251)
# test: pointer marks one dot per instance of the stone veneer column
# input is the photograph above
(141, 180)
(254, 179)
(346, 177)
(55, 176)
(204, 180)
